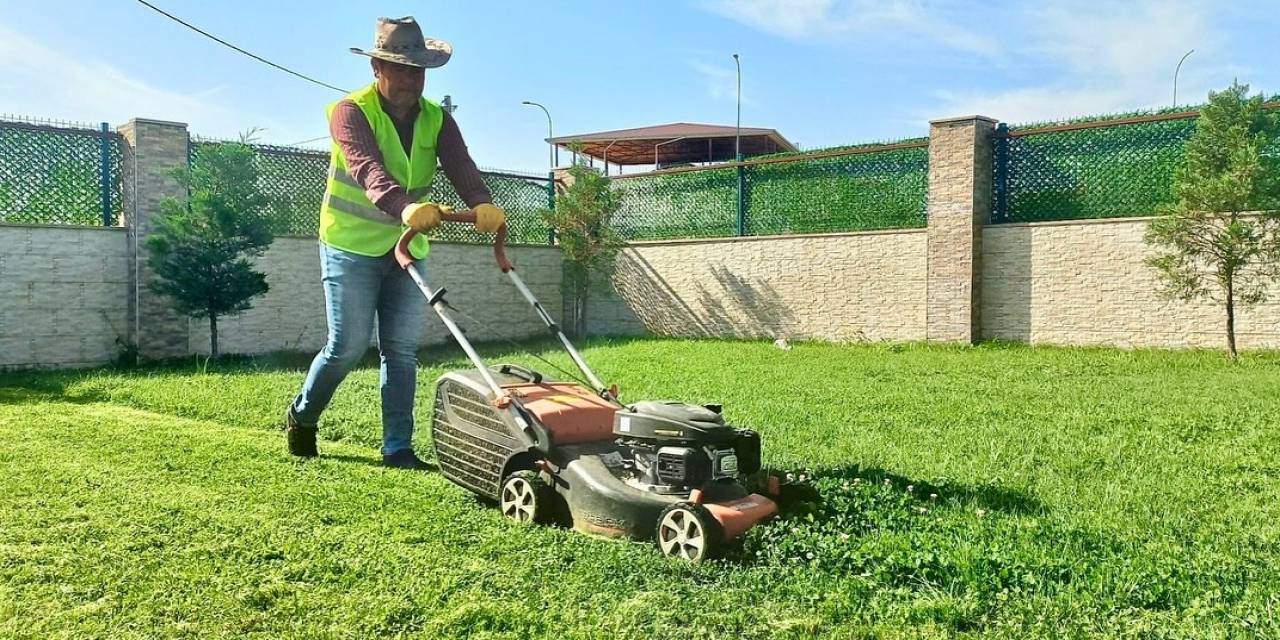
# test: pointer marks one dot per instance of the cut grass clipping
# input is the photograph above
(986, 492)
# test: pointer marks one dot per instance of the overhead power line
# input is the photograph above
(309, 141)
(228, 44)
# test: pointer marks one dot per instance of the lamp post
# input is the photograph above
(737, 151)
(1175, 76)
(553, 154)
(737, 128)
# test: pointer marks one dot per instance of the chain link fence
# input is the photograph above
(59, 173)
(1098, 169)
(858, 192)
(855, 189)
(1095, 172)
(521, 196)
(293, 180)
(684, 204)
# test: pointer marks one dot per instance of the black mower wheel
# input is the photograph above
(525, 498)
(688, 531)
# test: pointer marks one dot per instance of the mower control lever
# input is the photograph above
(522, 372)
(404, 258)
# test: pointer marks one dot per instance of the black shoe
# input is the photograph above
(301, 437)
(404, 459)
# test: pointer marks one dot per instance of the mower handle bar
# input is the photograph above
(404, 258)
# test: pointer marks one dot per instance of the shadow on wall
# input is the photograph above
(1005, 313)
(758, 313)
(727, 305)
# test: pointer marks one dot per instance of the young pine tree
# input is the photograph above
(200, 250)
(1221, 241)
(582, 219)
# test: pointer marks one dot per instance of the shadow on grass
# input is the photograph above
(285, 361)
(372, 461)
(989, 496)
(30, 387)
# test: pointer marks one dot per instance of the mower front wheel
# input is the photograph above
(525, 498)
(688, 531)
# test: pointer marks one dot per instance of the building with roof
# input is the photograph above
(678, 143)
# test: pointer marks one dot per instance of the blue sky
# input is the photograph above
(822, 72)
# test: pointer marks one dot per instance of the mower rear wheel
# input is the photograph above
(688, 531)
(525, 498)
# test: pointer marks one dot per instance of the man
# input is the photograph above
(386, 142)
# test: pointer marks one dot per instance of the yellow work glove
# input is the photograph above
(421, 216)
(489, 218)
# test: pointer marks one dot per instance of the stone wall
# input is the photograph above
(291, 316)
(67, 295)
(841, 287)
(64, 295)
(1084, 283)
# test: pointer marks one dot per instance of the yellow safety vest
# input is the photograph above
(348, 220)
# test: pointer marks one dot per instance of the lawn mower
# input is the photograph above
(553, 451)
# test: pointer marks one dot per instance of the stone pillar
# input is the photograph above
(152, 149)
(960, 174)
(562, 178)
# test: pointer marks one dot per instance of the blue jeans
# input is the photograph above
(356, 288)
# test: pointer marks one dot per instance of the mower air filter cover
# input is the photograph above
(664, 421)
(678, 411)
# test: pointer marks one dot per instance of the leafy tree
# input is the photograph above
(200, 249)
(1221, 241)
(582, 219)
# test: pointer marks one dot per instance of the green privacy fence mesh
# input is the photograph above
(1094, 169)
(865, 191)
(56, 173)
(692, 204)
(882, 187)
(521, 196)
(1099, 172)
(293, 180)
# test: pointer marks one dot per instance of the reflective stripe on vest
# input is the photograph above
(367, 212)
(348, 220)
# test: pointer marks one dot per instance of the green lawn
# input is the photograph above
(988, 492)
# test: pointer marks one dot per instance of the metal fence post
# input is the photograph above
(742, 205)
(104, 178)
(1000, 207)
(551, 204)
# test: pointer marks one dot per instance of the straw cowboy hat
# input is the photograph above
(400, 41)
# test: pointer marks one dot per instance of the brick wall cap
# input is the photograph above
(75, 227)
(799, 237)
(964, 119)
(134, 122)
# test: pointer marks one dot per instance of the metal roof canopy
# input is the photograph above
(675, 143)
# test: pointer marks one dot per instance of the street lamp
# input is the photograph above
(553, 154)
(1175, 76)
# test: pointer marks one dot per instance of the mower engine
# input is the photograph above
(673, 447)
